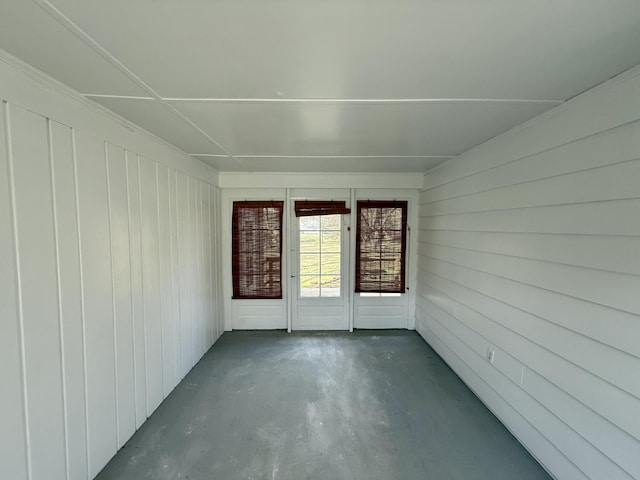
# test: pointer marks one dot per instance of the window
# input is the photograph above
(320, 256)
(381, 240)
(320, 226)
(257, 249)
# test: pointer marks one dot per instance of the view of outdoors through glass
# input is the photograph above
(320, 256)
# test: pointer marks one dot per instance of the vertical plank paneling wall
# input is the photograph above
(530, 247)
(107, 282)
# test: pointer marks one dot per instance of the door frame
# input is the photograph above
(295, 302)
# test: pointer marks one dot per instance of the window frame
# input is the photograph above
(321, 254)
(401, 288)
(236, 236)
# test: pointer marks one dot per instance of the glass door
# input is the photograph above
(319, 283)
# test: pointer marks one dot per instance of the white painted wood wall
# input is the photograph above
(367, 312)
(109, 273)
(530, 245)
(108, 277)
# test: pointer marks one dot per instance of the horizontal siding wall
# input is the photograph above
(530, 246)
(108, 279)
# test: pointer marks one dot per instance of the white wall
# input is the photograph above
(391, 312)
(249, 314)
(385, 312)
(108, 276)
(530, 245)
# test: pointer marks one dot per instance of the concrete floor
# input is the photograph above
(368, 405)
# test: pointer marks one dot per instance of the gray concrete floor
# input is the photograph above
(368, 405)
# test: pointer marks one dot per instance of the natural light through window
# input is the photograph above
(320, 256)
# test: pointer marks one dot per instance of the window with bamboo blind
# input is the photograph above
(257, 249)
(381, 240)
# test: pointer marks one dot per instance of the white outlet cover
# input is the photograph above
(491, 355)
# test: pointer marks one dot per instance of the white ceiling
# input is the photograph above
(333, 85)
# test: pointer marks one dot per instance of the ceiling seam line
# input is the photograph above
(193, 125)
(83, 36)
(215, 155)
(327, 156)
(60, 88)
(121, 97)
(359, 100)
(94, 45)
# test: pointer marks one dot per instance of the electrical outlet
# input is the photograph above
(491, 353)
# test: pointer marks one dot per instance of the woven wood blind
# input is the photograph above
(257, 249)
(309, 208)
(381, 241)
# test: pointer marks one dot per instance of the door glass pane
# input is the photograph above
(330, 286)
(330, 264)
(320, 257)
(309, 286)
(309, 223)
(309, 262)
(309, 242)
(330, 222)
(330, 241)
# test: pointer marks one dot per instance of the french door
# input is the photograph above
(320, 264)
